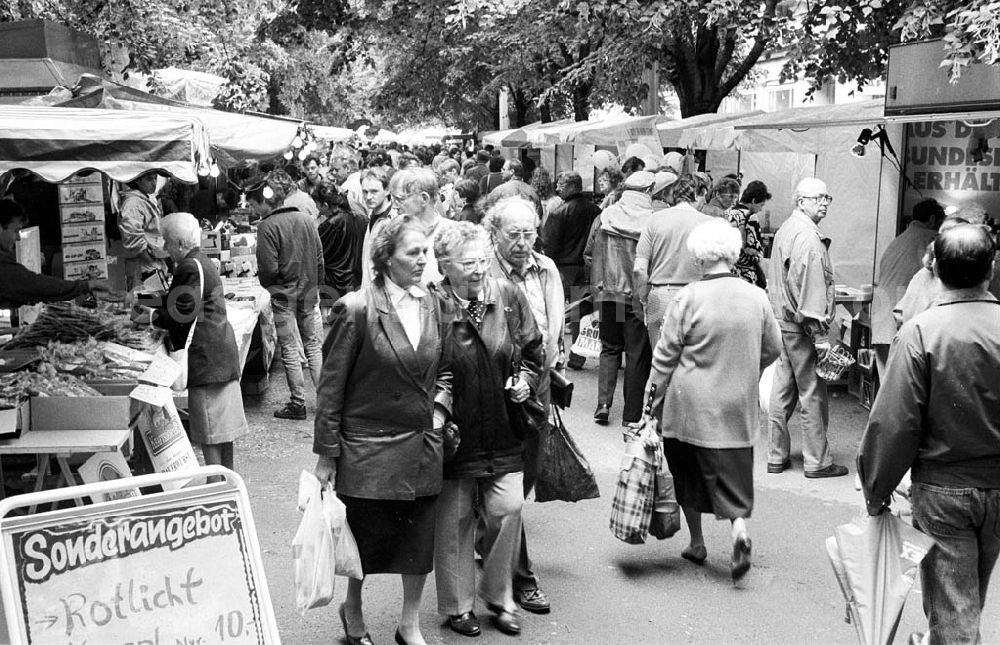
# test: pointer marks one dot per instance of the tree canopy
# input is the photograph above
(409, 61)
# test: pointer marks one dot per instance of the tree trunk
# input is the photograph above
(521, 107)
(581, 101)
(545, 112)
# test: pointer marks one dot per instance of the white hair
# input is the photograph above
(182, 227)
(493, 220)
(715, 241)
(971, 211)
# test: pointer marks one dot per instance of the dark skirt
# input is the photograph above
(393, 536)
(712, 480)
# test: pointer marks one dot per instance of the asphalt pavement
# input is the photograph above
(602, 590)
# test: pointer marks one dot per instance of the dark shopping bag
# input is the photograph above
(563, 471)
(666, 519)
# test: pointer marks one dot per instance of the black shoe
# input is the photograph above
(533, 600)
(833, 470)
(777, 469)
(295, 411)
(399, 639)
(505, 621)
(575, 362)
(465, 624)
(602, 414)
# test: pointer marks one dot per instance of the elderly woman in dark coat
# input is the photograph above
(195, 298)
(718, 335)
(383, 398)
(495, 351)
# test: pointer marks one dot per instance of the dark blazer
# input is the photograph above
(481, 361)
(213, 356)
(376, 397)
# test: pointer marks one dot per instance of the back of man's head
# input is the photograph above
(963, 256)
(572, 180)
(496, 164)
(483, 156)
(10, 211)
(928, 210)
(516, 168)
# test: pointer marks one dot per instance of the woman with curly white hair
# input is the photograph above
(718, 335)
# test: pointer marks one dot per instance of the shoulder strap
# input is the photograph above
(201, 291)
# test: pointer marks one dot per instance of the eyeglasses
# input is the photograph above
(399, 199)
(472, 264)
(820, 199)
(527, 236)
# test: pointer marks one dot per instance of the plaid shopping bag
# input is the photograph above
(632, 506)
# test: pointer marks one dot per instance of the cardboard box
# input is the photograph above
(12, 422)
(87, 270)
(81, 213)
(86, 232)
(79, 412)
(85, 252)
(211, 240)
(82, 193)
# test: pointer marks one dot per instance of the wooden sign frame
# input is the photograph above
(182, 566)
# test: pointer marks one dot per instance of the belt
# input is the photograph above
(669, 284)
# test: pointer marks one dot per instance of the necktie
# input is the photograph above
(476, 309)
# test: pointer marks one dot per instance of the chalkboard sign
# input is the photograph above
(177, 568)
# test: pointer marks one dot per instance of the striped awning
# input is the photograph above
(56, 143)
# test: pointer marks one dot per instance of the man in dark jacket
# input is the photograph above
(18, 284)
(938, 414)
(290, 266)
(564, 238)
(342, 234)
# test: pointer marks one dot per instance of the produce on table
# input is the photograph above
(18, 386)
(93, 359)
(67, 322)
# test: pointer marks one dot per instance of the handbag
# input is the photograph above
(180, 356)
(529, 417)
(666, 519)
(635, 492)
(563, 471)
(561, 389)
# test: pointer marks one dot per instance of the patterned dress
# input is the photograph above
(748, 264)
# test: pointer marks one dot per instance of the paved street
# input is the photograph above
(604, 591)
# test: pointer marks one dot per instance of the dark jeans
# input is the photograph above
(965, 523)
(622, 330)
(574, 281)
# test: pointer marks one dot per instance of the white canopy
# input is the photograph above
(329, 133)
(527, 135)
(812, 129)
(606, 132)
(234, 137)
(670, 131)
(56, 143)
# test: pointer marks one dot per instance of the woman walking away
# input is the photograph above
(495, 351)
(215, 401)
(718, 336)
(383, 399)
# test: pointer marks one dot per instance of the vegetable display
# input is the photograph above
(18, 386)
(67, 322)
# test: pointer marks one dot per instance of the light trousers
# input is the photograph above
(796, 382)
(498, 501)
(300, 339)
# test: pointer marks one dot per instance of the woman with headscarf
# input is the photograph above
(383, 399)
(718, 335)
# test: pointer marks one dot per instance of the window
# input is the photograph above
(779, 100)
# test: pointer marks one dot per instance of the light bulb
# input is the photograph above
(214, 172)
(203, 170)
(297, 142)
(303, 153)
(288, 155)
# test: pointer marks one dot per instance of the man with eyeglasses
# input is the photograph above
(801, 289)
(512, 223)
(414, 192)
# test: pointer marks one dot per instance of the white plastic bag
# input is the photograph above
(312, 548)
(323, 545)
(588, 343)
(766, 385)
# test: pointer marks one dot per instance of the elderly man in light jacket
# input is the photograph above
(513, 224)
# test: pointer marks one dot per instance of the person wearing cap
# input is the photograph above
(801, 289)
(661, 189)
(743, 217)
(612, 251)
(674, 162)
(22, 286)
(139, 223)
(663, 264)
